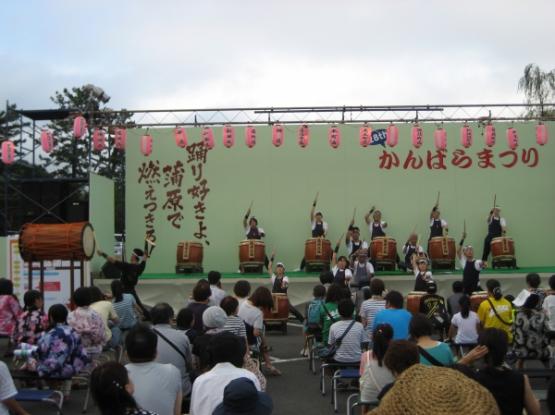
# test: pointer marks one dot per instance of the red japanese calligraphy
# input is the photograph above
(530, 157)
(388, 160)
(461, 159)
(412, 161)
(197, 152)
(510, 155)
(436, 161)
(149, 172)
(199, 191)
(485, 156)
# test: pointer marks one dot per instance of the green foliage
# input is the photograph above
(539, 88)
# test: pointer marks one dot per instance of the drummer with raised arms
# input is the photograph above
(342, 274)
(252, 230)
(353, 241)
(411, 248)
(319, 227)
(376, 226)
(497, 226)
(438, 226)
(471, 267)
(421, 274)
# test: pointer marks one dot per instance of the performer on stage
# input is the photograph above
(353, 241)
(130, 273)
(438, 226)
(252, 231)
(342, 274)
(471, 267)
(363, 271)
(497, 226)
(280, 284)
(376, 226)
(319, 227)
(410, 248)
(421, 274)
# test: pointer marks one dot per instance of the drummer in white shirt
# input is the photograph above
(353, 241)
(376, 225)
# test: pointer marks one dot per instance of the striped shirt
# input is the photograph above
(235, 325)
(126, 313)
(368, 311)
(350, 349)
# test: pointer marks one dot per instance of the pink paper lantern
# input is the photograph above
(46, 141)
(8, 152)
(512, 138)
(365, 135)
(146, 144)
(440, 139)
(490, 135)
(417, 136)
(79, 126)
(120, 138)
(278, 135)
(541, 134)
(180, 136)
(303, 135)
(250, 136)
(391, 135)
(208, 138)
(99, 139)
(466, 136)
(228, 136)
(334, 136)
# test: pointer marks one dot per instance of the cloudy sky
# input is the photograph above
(187, 54)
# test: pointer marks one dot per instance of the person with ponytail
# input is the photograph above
(32, 322)
(465, 325)
(496, 311)
(373, 373)
(112, 391)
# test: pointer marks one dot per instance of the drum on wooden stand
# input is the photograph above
(384, 252)
(503, 252)
(442, 252)
(317, 254)
(189, 257)
(413, 301)
(477, 298)
(252, 253)
(279, 313)
(60, 241)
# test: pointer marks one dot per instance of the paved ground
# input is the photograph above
(296, 392)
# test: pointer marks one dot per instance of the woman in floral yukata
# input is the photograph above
(32, 322)
(9, 308)
(87, 322)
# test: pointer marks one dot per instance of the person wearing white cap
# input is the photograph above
(421, 274)
(280, 284)
(376, 226)
(497, 226)
(471, 267)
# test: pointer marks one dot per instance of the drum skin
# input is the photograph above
(317, 251)
(384, 249)
(502, 248)
(252, 252)
(280, 310)
(60, 241)
(442, 250)
(190, 253)
(413, 301)
(477, 298)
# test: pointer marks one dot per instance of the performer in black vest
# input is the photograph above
(421, 274)
(280, 284)
(130, 273)
(353, 241)
(319, 227)
(376, 226)
(438, 226)
(252, 231)
(497, 226)
(471, 267)
(411, 248)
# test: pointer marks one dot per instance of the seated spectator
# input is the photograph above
(350, 331)
(251, 312)
(8, 404)
(242, 290)
(312, 324)
(201, 296)
(435, 390)
(172, 346)
(328, 311)
(374, 376)
(241, 396)
(372, 306)
(227, 352)
(112, 391)
(213, 319)
(511, 389)
(214, 278)
(157, 385)
(432, 352)
(9, 308)
(453, 306)
(87, 322)
(496, 312)
(465, 325)
(33, 322)
(124, 305)
(533, 281)
(549, 307)
(433, 307)
(530, 332)
(234, 324)
(109, 317)
(184, 322)
(400, 355)
(395, 315)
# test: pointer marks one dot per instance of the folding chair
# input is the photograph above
(357, 403)
(310, 344)
(50, 397)
(348, 374)
(325, 366)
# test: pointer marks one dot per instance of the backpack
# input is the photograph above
(313, 314)
(439, 317)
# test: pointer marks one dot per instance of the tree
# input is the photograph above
(539, 88)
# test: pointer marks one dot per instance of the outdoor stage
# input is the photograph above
(176, 289)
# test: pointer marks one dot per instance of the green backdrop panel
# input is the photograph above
(101, 215)
(402, 181)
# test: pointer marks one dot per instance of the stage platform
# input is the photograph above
(175, 289)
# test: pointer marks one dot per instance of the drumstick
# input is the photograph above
(494, 200)
(437, 200)
(250, 206)
(464, 227)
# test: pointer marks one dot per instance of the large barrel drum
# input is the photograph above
(189, 256)
(502, 248)
(317, 254)
(64, 241)
(477, 298)
(280, 310)
(252, 254)
(384, 252)
(413, 301)
(442, 252)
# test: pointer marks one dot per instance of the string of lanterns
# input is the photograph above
(278, 137)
